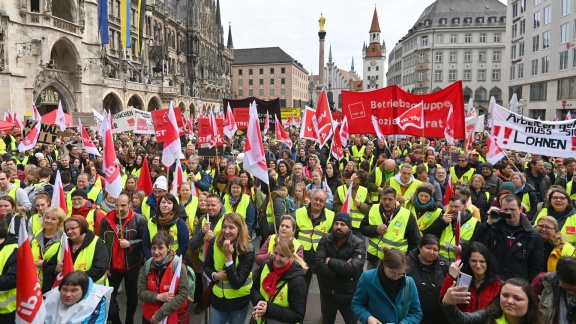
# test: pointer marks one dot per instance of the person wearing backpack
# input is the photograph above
(43, 185)
(154, 283)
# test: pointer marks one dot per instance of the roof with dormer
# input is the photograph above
(461, 9)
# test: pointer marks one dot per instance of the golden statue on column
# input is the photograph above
(321, 22)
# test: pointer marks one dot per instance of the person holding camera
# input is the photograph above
(514, 244)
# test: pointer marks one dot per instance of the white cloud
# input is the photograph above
(293, 26)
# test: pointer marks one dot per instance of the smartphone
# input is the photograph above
(464, 280)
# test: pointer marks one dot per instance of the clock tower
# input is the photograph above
(374, 58)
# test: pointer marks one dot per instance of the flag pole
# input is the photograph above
(272, 207)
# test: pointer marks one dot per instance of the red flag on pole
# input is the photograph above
(449, 192)
(29, 302)
(308, 131)
(88, 144)
(379, 133)
(172, 146)
(493, 152)
(267, 123)
(178, 179)
(145, 181)
(568, 115)
(230, 126)
(336, 147)
(32, 137)
(281, 135)
(348, 200)
(254, 159)
(58, 197)
(290, 121)
(66, 257)
(457, 234)
(449, 129)
(60, 119)
(112, 177)
(323, 119)
(344, 133)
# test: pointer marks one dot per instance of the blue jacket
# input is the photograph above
(371, 300)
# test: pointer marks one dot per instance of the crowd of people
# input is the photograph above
(397, 250)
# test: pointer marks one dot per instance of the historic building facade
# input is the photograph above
(50, 50)
(374, 58)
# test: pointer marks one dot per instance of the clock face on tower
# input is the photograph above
(372, 62)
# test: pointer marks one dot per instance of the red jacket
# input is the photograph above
(480, 297)
(98, 216)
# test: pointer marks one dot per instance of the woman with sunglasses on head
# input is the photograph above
(561, 207)
(556, 245)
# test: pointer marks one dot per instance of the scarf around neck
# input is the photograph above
(270, 283)
(429, 206)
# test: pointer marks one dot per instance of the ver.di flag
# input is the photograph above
(172, 146)
(336, 147)
(412, 117)
(254, 159)
(323, 119)
(58, 197)
(29, 141)
(60, 119)
(88, 144)
(112, 177)
(66, 259)
(230, 126)
(281, 135)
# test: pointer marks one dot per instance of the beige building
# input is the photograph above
(541, 61)
(269, 73)
(50, 50)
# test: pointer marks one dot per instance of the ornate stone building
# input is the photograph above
(50, 50)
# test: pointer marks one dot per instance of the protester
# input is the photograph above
(480, 196)
(235, 200)
(556, 245)
(561, 207)
(12, 214)
(86, 208)
(286, 231)
(424, 207)
(360, 200)
(46, 246)
(556, 292)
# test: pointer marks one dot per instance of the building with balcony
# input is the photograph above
(50, 50)
(541, 62)
(269, 73)
(453, 40)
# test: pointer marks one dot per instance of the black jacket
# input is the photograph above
(197, 239)
(429, 280)
(132, 230)
(438, 226)
(297, 294)
(522, 259)
(541, 183)
(531, 191)
(8, 274)
(480, 200)
(337, 279)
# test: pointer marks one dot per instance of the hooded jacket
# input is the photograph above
(297, 294)
(132, 230)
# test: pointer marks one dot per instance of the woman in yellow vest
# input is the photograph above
(136, 167)
(228, 265)
(286, 232)
(12, 214)
(280, 290)
(556, 245)
(560, 206)
(423, 206)
(46, 246)
(188, 202)
(236, 201)
(525, 192)
(41, 202)
(8, 252)
(248, 184)
(89, 253)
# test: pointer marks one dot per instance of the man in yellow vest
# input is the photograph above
(404, 183)
(358, 149)
(403, 149)
(389, 225)
(83, 182)
(314, 221)
(202, 180)
(462, 172)
(378, 177)
(9, 189)
(8, 252)
(361, 200)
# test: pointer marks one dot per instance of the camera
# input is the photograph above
(499, 214)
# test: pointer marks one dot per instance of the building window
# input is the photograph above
(240, 93)
(271, 70)
(272, 81)
(250, 93)
(497, 37)
(240, 82)
(536, 19)
(574, 57)
(373, 49)
(545, 64)
(537, 2)
(514, 31)
(453, 38)
(482, 37)
(567, 88)
(261, 81)
(522, 27)
(250, 82)
(239, 71)
(563, 64)
(538, 91)
(420, 76)
(467, 75)
(482, 56)
(522, 6)
(496, 56)
(283, 81)
(534, 67)
(521, 49)
(453, 57)
(369, 69)
(496, 75)
(261, 71)
(535, 43)
(439, 38)
(564, 32)
(513, 52)
(283, 103)
(424, 41)
(271, 92)
(546, 39)
(481, 75)
(438, 57)
(512, 72)
(282, 70)
(438, 76)
(565, 7)
(261, 92)
(468, 38)
(468, 56)
(514, 9)
(547, 14)
(452, 75)
(422, 58)
(520, 70)
(282, 92)
(377, 68)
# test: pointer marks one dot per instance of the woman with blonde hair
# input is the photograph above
(300, 196)
(228, 265)
(556, 245)
(286, 232)
(280, 291)
(42, 201)
(46, 246)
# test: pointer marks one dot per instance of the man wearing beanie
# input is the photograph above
(83, 206)
(150, 205)
(339, 263)
(492, 182)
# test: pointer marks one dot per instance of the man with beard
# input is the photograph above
(492, 182)
(440, 177)
(339, 263)
(122, 230)
(462, 172)
(431, 164)
(569, 170)
(389, 225)
(378, 177)
(65, 165)
(381, 148)
(535, 176)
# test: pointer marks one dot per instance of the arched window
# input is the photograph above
(467, 94)
(480, 95)
(496, 93)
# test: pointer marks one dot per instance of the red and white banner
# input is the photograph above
(230, 126)
(60, 119)
(267, 123)
(391, 102)
(254, 159)
(281, 135)
(323, 119)
(336, 147)
(344, 133)
(142, 125)
(29, 302)
(308, 131)
(493, 152)
(86, 140)
(66, 259)
(112, 178)
(348, 201)
(449, 129)
(161, 122)
(31, 138)
(172, 146)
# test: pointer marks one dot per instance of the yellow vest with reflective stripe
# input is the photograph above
(569, 189)
(281, 298)
(216, 231)
(526, 201)
(427, 219)
(190, 210)
(39, 254)
(466, 231)
(223, 289)
(409, 192)
(570, 226)
(355, 213)
(90, 218)
(84, 261)
(7, 297)
(465, 177)
(308, 235)
(36, 224)
(13, 148)
(92, 195)
(272, 244)
(173, 231)
(357, 153)
(136, 173)
(377, 182)
(242, 206)
(394, 236)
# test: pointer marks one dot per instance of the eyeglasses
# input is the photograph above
(393, 275)
(558, 198)
(461, 160)
(545, 228)
(71, 229)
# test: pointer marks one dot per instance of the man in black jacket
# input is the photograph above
(339, 263)
(122, 230)
(515, 245)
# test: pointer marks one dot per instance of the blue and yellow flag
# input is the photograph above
(125, 23)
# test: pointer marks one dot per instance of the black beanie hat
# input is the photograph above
(344, 217)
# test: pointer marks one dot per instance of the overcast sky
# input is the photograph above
(293, 26)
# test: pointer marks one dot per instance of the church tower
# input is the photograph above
(374, 58)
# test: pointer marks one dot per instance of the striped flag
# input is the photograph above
(66, 259)
(125, 23)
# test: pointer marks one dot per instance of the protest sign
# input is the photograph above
(287, 112)
(242, 117)
(48, 133)
(203, 132)
(516, 132)
(124, 121)
(449, 160)
(142, 126)
(160, 122)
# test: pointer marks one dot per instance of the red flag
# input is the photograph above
(336, 147)
(555, 118)
(379, 133)
(254, 159)
(60, 119)
(29, 302)
(449, 192)
(18, 123)
(112, 177)
(568, 115)
(323, 119)
(281, 135)
(449, 129)
(493, 152)
(178, 179)
(190, 129)
(145, 181)
(308, 131)
(214, 136)
(348, 200)
(58, 197)
(267, 123)
(31, 138)
(412, 117)
(66, 257)
(296, 121)
(172, 146)
(290, 121)
(344, 133)
(230, 126)
(88, 144)
(8, 117)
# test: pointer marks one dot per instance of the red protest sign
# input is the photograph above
(204, 131)
(160, 120)
(242, 116)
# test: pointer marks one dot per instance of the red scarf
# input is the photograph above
(270, 283)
